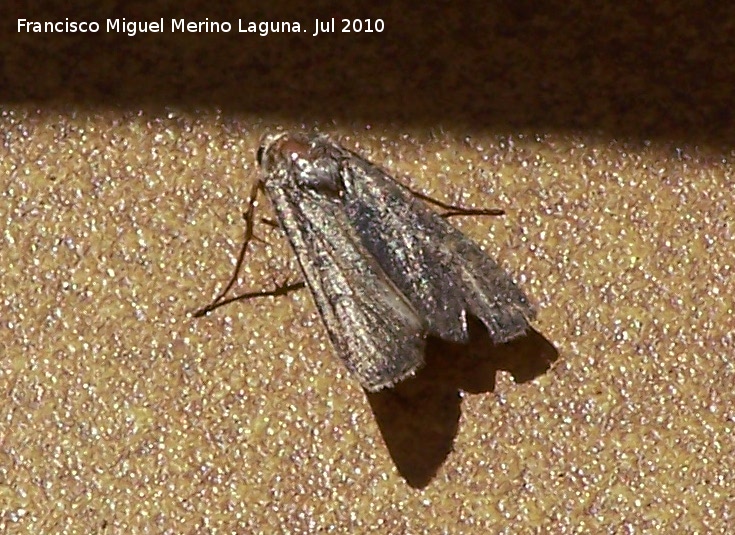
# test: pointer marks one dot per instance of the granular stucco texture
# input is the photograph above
(122, 410)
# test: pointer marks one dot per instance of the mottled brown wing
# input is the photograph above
(373, 328)
(441, 272)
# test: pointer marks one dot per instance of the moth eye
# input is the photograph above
(322, 181)
(259, 155)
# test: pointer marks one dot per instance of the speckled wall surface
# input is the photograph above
(605, 135)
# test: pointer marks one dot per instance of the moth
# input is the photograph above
(385, 270)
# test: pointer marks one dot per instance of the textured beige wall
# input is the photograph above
(124, 171)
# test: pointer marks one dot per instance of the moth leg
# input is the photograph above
(249, 217)
(453, 210)
(280, 289)
(269, 222)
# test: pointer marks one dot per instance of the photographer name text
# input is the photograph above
(262, 28)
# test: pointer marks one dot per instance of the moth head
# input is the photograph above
(308, 162)
(270, 146)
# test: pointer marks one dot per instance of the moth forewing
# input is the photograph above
(373, 327)
(444, 274)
